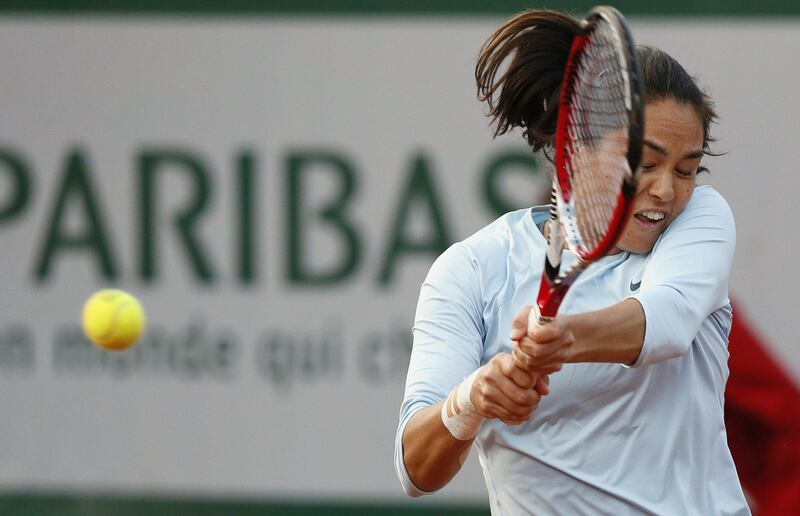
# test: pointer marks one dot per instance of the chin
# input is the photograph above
(636, 247)
(639, 250)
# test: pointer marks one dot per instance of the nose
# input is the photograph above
(661, 185)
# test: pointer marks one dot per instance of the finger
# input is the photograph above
(518, 374)
(543, 385)
(534, 369)
(540, 331)
(494, 411)
(533, 357)
(525, 363)
(544, 333)
(519, 327)
(505, 393)
(542, 350)
(516, 422)
(512, 418)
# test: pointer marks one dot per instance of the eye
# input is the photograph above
(647, 166)
(685, 173)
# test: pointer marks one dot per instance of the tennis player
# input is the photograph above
(631, 418)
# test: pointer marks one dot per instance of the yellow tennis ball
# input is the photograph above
(113, 319)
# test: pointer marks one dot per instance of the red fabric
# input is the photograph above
(762, 415)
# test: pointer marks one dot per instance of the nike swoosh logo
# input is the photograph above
(635, 286)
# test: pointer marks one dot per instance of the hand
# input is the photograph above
(503, 391)
(540, 349)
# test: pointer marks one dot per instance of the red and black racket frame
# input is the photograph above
(555, 284)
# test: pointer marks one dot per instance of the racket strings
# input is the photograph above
(597, 142)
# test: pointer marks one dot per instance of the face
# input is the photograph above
(673, 148)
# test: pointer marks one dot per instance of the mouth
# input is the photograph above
(650, 219)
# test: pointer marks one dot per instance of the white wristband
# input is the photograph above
(458, 412)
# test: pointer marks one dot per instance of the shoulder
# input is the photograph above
(704, 229)
(707, 211)
(706, 201)
(513, 235)
(511, 231)
(485, 244)
(705, 196)
(487, 256)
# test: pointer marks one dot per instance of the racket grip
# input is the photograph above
(535, 316)
(540, 319)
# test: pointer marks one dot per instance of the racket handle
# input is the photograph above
(539, 319)
(551, 293)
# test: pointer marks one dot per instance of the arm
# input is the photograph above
(685, 280)
(614, 334)
(432, 454)
(448, 343)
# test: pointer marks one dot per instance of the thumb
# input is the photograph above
(537, 325)
(519, 328)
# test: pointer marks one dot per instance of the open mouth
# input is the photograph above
(650, 218)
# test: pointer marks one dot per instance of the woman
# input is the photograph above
(632, 418)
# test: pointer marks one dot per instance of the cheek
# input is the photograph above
(683, 192)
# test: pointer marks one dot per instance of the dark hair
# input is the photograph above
(520, 68)
(665, 78)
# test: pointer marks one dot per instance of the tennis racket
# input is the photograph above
(598, 146)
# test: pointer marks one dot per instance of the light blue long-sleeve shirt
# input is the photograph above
(609, 439)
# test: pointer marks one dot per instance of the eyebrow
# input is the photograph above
(661, 150)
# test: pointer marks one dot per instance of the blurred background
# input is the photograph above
(273, 179)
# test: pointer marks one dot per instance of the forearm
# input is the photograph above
(437, 438)
(614, 334)
(431, 454)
